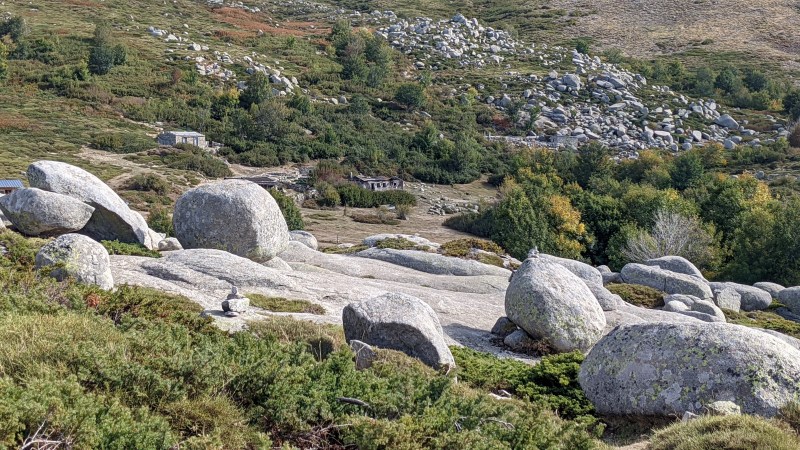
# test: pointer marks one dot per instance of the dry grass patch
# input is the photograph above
(281, 304)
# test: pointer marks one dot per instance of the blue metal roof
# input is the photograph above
(14, 184)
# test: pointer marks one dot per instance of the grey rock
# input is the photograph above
(79, 257)
(35, 212)
(551, 303)
(611, 277)
(399, 322)
(665, 280)
(660, 369)
(364, 353)
(583, 271)
(608, 300)
(706, 307)
(728, 298)
(772, 288)
(237, 305)
(305, 238)
(503, 327)
(278, 263)
(112, 219)
(675, 306)
(237, 216)
(519, 341)
(169, 245)
(432, 263)
(723, 408)
(753, 298)
(675, 264)
(791, 298)
(603, 269)
(727, 121)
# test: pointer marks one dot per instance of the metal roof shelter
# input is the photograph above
(9, 186)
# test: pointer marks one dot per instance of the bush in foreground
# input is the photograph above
(725, 432)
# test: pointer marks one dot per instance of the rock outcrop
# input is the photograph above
(551, 303)
(35, 212)
(112, 219)
(79, 257)
(665, 280)
(433, 263)
(237, 216)
(661, 369)
(399, 322)
(753, 298)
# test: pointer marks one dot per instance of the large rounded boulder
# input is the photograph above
(663, 369)
(551, 303)
(35, 212)
(237, 216)
(79, 257)
(112, 219)
(398, 322)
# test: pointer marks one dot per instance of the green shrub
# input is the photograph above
(725, 432)
(149, 182)
(160, 219)
(124, 248)
(638, 295)
(397, 244)
(294, 220)
(122, 142)
(374, 219)
(553, 382)
(343, 250)
(358, 197)
(462, 247)
(790, 414)
(196, 159)
(280, 304)
(764, 319)
(19, 251)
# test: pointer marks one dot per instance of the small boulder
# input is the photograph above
(35, 212)
(772, 288)
(79, 257)
(675, 264)
(235, 303)
(305, 238)
(399, 322)
(365, 355)
(658, 369)
(728, 298)
(169, 245)
(611, 277)
(551, 303)
(503, 327)
(753, 298)
(519, 341)
(237, 216)
(665, 280)
(723, 408)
